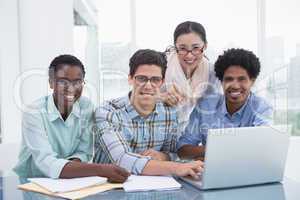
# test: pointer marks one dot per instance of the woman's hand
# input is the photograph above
(172, 97)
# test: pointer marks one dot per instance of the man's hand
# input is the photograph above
(156, 155)
(189, 169)
(114, 173)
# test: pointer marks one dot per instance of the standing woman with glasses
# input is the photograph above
(189, 75)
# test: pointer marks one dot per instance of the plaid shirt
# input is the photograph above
(121, 133)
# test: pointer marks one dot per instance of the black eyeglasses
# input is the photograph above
(66, 83)
(154, 80)
(184, 51)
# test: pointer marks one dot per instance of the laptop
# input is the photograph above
(243, 156)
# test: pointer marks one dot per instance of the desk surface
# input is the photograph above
(287, 190)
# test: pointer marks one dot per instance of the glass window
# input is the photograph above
(269, 28)
(116, 47)
(150, 24)
(229, 23)
(283, 59)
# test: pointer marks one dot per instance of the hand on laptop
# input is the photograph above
(192, 169)
(156, 155)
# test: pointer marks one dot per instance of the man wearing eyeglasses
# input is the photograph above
(137, 132)
(57, 129)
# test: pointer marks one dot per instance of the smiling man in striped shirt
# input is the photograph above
(137, 132)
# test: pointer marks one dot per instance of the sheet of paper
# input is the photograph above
(66, 185)
(146, 183)
(78, 194)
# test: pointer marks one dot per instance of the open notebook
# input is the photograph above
(146, 183)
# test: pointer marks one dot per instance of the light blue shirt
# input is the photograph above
(211, 113)
(48, 141)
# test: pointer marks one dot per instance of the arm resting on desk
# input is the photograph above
(77, 169)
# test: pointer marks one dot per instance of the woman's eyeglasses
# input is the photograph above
(184, 51)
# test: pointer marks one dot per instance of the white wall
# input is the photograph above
(32, 33)
(10, 68)
(46, 29)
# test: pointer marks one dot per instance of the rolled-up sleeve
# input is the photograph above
(109, 137)
(35, 138)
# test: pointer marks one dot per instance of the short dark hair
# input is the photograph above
(147, 57)
(62, 60)
(189, 27)
(241, 57)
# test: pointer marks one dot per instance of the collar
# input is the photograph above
(132, 111)
(54, 113)
(239, 112)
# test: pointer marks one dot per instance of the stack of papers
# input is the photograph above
(78, 194)
(67, 185)
(77, 188)
(146, 183)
